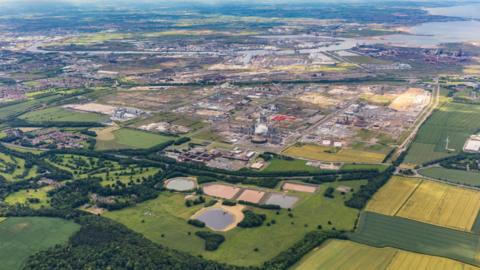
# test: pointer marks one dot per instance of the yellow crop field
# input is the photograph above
(406, 260)
(323, 153)
(347, 255)
(427, 201)
(391, 197)
(443, 205)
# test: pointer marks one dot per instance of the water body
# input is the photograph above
(284, 201)
(180, 184)
(436, 33)
(464, 11)
(216, 218)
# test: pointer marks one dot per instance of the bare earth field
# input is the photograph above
(299, 187)
(414, 99)
(92, 107)
(251, 195)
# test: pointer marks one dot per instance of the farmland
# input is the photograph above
(443, 205)
(454, 121)
(321, 153)
(24, 106)
(22, 237)
(451, 175)
(130, 138)
(167, 215)
(427, 201)
(346, 255)
(386, 231)
(393, 195)
(58, 114)
(244, 135)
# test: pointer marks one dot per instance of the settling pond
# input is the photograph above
(284, 201)
(216, 218)
(180, 184)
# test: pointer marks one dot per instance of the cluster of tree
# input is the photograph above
(466, 100)
(210, 203)
(17, 122)
(88, 133)
(360, 198)
(181, 140)
(203, 179)
(267, 156)
(229, 203)
(142, 152)
(329, 192)
(198, 200)
(252, 219)
(456, 162)
(264, 206)
(54, 172)
(192, 168)
(196, 223)
(104, 244)
(289, 257)
(212, 240)
(73, 194)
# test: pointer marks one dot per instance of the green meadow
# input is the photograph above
(164, 221)
(24, 236)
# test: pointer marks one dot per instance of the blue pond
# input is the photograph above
(216, 218)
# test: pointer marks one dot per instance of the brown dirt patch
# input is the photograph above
(221, 191)
(299, 187)
(251, 195)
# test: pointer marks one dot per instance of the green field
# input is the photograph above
(22, 107)
(109, 171)
(167, 215)
(13, 168)
(22, 237)
(22, 196)
(450, 175)
(132, 138)
(454, 121)
(282, 165)
(58, 114)
(22, 149)
(386, 231)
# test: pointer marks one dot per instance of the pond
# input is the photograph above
(216, 218)
(284, 201)
(180, 184)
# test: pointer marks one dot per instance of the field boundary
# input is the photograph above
(408, 198)
(379, 230)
